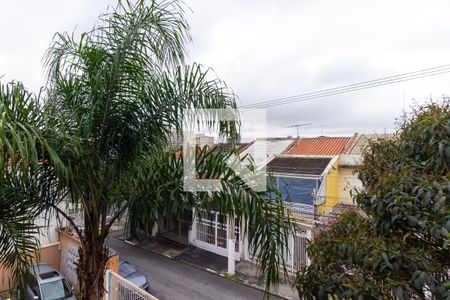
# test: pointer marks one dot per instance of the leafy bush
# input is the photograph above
(395, 244)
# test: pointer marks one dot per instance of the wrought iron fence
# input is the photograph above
(118, 288)
(300, 208)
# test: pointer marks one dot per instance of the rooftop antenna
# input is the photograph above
(297, 126)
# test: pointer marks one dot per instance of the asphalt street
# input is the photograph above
(170, 279)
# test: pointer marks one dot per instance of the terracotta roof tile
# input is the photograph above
(322, 145)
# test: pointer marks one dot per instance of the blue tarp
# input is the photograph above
(297, 190)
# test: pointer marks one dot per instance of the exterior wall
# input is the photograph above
(58, 249)
(350, 160)
(49, 254)
(50, 247)
(49, 223)
(348, 181)
(332, 189)
(269, 148)
(69, 257)
(48, 233)
(113, 263)
(203, 140)
(176, 140)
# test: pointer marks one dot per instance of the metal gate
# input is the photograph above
(298, 256)
(118, 288)
(211, 233)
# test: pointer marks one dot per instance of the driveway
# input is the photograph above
(170, 279)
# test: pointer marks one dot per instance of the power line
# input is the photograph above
(356, 86)
(353, 87)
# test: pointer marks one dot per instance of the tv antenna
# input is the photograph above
(298, 127)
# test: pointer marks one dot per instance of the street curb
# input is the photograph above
(129, 242)
(200, 268)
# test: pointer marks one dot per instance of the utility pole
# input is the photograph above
(297, 126)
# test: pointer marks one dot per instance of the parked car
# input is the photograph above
(45, 283)
(129, 272)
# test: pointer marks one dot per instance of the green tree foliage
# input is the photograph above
(112, 98)
(396, 245)
(159, 195)
(100, 132)
(29, 171)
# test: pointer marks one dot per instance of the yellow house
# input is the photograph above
(349, 163)
(308, 173)
(332, 187)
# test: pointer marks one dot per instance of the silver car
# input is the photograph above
(45, 283)
(129, 272)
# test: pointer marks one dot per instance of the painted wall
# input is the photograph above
(50, 247)
(62, 255)
(113, 263)
(332, 189)
(69, 257)
(347, 181)
(49, 222)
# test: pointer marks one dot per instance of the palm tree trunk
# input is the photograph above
(133, 225)
(93, 257)
(90, 270)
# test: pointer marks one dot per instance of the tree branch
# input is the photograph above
(114, 218)
(75, 227)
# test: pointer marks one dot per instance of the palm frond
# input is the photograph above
(158, 194)
(27, 182)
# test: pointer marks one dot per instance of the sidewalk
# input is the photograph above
(208, 261)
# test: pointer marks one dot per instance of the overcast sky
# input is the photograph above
(269, 49)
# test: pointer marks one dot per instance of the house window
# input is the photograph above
(297, 190)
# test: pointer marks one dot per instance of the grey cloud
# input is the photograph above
(269, 49)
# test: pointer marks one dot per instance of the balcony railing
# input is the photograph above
(300, 208)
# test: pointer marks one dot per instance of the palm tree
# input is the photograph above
(29, 172)
(113, 96)
(158, 195)
(118, 90)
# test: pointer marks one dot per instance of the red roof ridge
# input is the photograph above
(351, 143)
(292, 144)
(321, 145)
(245, 147)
